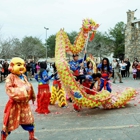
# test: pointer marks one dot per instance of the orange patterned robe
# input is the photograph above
(17, 110)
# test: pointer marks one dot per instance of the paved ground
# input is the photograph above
(89, 124)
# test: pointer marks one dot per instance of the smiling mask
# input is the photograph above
(17, 66)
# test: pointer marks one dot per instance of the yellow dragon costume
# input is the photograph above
(57, 93)
(74, 89)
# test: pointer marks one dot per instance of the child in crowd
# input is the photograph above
(89, 68)
(87, 85)
(37, 67)
(134, 71)
(92, 83)
(97, 81)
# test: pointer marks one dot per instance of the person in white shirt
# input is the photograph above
(123, 68)
(116, 67)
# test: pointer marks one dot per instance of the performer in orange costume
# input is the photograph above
(20, 91)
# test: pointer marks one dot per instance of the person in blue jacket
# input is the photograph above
(76, 65)
(43, 97)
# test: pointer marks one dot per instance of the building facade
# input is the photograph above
(132, 37)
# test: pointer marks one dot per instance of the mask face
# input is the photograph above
(17, 66)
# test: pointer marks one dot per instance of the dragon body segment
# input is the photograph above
(75, 90)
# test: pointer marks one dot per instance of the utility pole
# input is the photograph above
(46, 41)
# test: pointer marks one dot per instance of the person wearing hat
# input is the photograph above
(75, 66)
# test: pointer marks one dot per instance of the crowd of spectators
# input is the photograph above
(121, 69)
(32, 68)
(125, 68)
(3, 69)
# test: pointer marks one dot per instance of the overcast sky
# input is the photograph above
(20, 18)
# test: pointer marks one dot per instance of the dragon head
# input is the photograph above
(90, 25)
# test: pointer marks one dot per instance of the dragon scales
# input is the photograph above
(104, 98)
